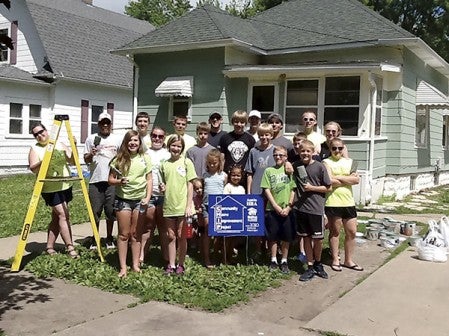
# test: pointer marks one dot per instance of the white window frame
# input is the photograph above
(25, 117)
(93, 123)
(422, 143)
(264, 114)
(320, 106)
(378, 97)
(181, 99)
(445, 139)
(8, 28)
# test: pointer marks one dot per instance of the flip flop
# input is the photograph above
(336, 268)
(354, 267)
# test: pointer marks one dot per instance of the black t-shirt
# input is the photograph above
(235, 148)
(214, 138)
(325, 151)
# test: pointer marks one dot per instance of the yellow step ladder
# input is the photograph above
(41, 178)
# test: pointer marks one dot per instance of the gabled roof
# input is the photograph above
(291, 25)
(14, 74)
(77, 39)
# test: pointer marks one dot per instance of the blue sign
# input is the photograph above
(236, 215)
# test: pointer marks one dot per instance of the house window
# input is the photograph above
(96, 111)
(302, 95)
(180, 106)
(263, 98)
(422, 121)
(341, 102)
(445, 141)
(4, 51)
(20, 115)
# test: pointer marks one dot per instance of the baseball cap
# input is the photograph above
(275, 116)
(104, 115)
(254, 113)
(215, 113)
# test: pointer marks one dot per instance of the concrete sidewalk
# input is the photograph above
(405, 297)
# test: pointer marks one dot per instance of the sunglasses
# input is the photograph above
(331, 131)
(278, 155)
(157, 136)
(308, 119)
(339, 148)
(38, 133)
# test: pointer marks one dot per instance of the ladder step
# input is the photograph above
(62, 179)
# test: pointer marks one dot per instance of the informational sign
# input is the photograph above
(236, 215)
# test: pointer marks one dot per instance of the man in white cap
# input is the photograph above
(99, 149)
(254, 118)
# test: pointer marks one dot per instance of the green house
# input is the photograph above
(386, 87)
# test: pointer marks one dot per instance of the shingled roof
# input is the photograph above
(77, 39)
(293, 24)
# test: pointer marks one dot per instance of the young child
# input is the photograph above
(233, 186)
(340, 205)
(278, 188)
(131, 174)
(308, 120)
(177, 175)
(198, 153)
(312, 184)
(214, 182)
(180, 125)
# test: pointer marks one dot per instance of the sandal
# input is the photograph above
(72, 252)
(50, 251)
(354, 267)
(336, 267)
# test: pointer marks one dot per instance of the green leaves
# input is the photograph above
(212, 290)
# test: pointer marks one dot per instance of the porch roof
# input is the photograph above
(428, 95)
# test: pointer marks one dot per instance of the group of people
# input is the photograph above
(148, 180)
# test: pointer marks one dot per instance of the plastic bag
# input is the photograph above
(434, 236)
(444, 229)
(429, 252)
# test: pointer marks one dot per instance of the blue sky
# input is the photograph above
(119, 5)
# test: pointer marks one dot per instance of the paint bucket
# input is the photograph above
(372, 233)
(409, 229)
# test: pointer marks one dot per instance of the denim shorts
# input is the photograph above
(156, 201)
(124, 204)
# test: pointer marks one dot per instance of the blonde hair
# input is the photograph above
(176, 137)
(336, 124)
(215, 153)
(308, 144)
(239, 115)
(203, 126)
(264, 128)
(123, 158)
(299, 136)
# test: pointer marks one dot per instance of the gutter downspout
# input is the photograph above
(136, 75)
(369, 188)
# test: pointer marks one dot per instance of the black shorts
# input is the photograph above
(310, 225)
(278, 227)
(341, 212)
(58, 197)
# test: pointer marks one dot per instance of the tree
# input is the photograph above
(157, 12)
(427, 19)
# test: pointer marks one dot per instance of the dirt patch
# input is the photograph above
(295, 303)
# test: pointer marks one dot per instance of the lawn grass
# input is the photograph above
(15, 195)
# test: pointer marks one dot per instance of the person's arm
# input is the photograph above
(349, 179)
(189, 207)
(335, 182)
(249, 182)
(68, 153)
(89, 151)
(272, 201)
(33, 161)
(319, 189)
(149, 188)
(114, 179)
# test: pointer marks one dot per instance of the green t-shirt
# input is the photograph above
(175, 175)
(137, 177)
(280, 184)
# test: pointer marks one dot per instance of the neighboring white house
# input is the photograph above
(61, 64)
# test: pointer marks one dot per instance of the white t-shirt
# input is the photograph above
(157, 157)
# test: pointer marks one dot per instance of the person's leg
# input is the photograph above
(171, 241)
(335, 224)
(62, 213)
(309, 250)
(317, 249)
(137, 222)
(124, 227)
(162, 230)
(147, 230)
(182, 241)
(109, 213)
(205, 241)
(52, 233)
(350, 227)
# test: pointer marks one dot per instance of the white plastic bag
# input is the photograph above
(434, 236)
(429, 252)
(444, 229)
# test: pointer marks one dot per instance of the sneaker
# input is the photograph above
(180, 270)
(284, 268)
(93, 247)
(169, 270)
(307, 275)
(319, 270)
(273, 266)
(110, 244)
(302, 258)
